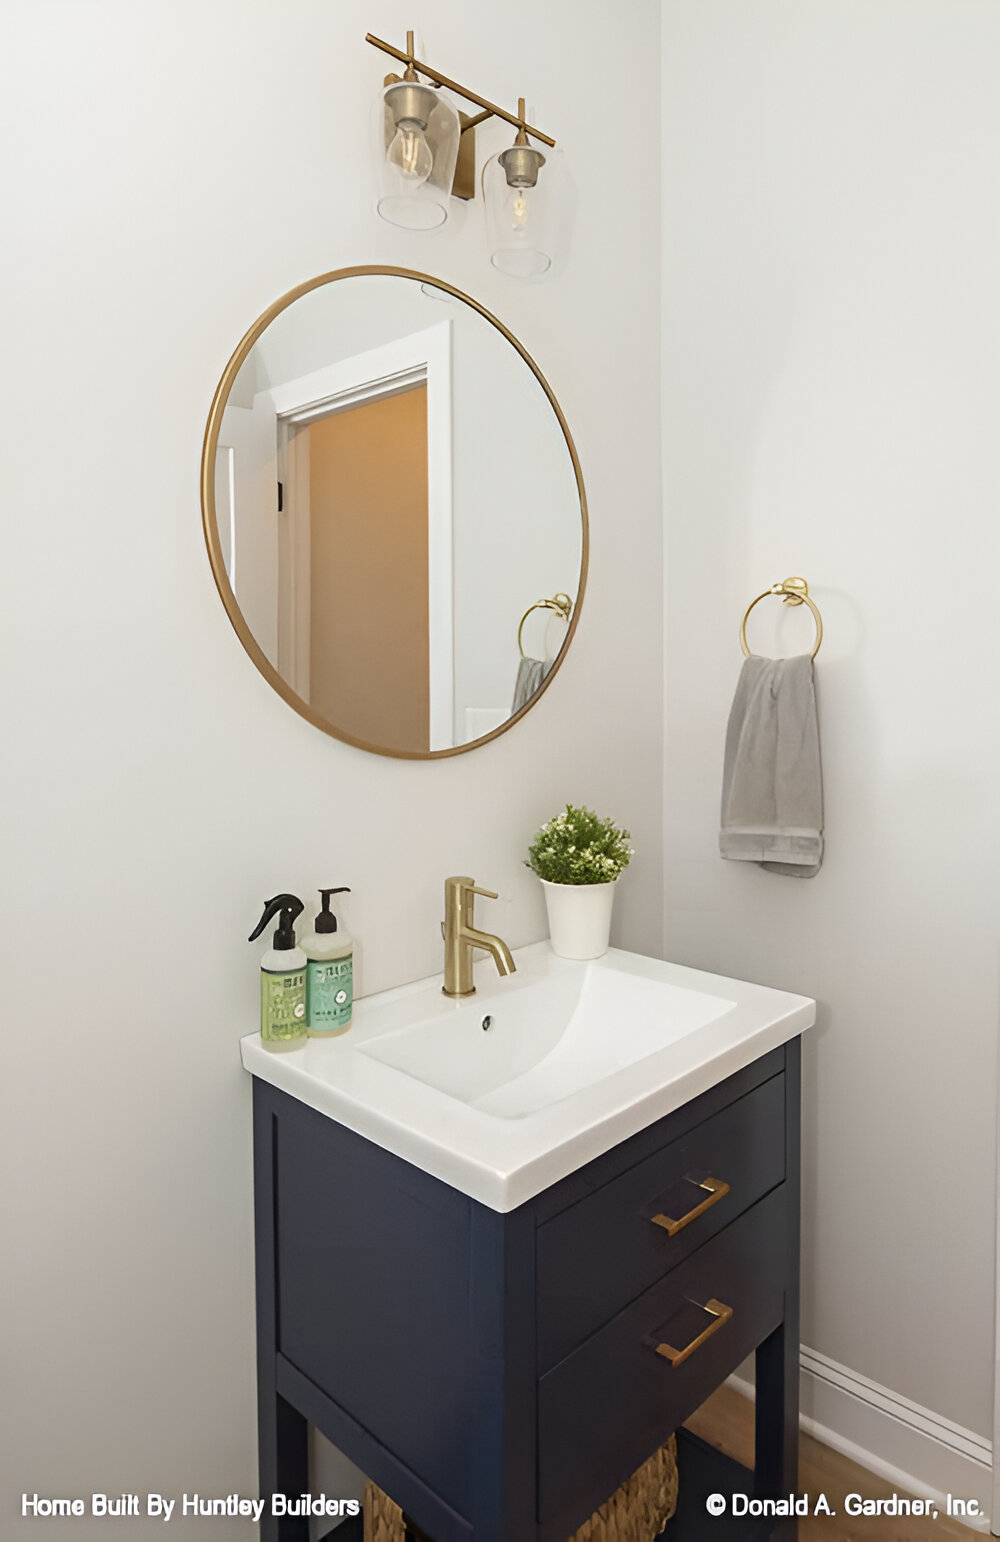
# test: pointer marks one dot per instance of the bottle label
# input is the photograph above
(283, 1005)
(329, 993)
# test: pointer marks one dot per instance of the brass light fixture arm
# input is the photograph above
(489, 109)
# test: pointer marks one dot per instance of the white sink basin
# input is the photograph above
(575, 1058)
(546, 1038)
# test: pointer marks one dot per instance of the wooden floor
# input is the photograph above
(726, 1422)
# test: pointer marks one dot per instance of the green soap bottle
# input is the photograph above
(329, 973)
(282, 978)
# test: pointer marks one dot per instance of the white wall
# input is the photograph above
(177, 168)
(831, 396)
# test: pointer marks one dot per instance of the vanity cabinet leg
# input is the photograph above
(282, 1432)
(777, 1420)
(283, 1464)
(776, 1464)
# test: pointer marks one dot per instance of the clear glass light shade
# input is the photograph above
(418, 131)
(520, 219)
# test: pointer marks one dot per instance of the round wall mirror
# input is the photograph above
(394, 512)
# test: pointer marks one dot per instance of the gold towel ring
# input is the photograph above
(794, 591)
(560, 603)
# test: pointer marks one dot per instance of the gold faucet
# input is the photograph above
(460, 937)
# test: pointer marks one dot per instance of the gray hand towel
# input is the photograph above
(530, 674)
(772, 784)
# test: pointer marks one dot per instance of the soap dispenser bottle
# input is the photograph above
(329, 973)
(282, 978)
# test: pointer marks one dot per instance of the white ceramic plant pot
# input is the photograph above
(579, 917)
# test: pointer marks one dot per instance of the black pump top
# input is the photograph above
(288, 906)
(326, 921)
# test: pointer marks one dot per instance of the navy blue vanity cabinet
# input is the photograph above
(499, 1375)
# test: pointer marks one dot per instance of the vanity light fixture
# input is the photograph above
(427, 156)
(421, 133)
(518, 209)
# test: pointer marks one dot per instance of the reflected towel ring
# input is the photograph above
(560, 603)
(794, 591)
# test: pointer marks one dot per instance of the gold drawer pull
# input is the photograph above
(716, 1190)
(721, 1314)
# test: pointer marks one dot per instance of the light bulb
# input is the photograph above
(519, 211)
(410, 154)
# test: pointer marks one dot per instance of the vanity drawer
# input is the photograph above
(605, 1250)
(606, 1408)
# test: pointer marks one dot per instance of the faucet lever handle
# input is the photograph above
(486, 893)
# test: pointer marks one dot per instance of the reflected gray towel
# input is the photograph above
(772, 783)
(530, 674)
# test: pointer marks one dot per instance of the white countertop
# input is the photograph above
(578, 1057)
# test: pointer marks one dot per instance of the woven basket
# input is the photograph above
(637, 1512)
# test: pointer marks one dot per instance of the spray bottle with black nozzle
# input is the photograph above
(329, 973)
(282, 978)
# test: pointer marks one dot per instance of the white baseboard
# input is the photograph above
(914, 1449)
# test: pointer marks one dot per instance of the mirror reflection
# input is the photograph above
(395, 518)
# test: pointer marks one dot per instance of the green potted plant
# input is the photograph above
(579, 859)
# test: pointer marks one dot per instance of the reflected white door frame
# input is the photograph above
(422, 357)
(294, 587)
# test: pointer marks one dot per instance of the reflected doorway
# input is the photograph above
(353, 603)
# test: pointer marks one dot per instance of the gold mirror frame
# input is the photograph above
(211, 528)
